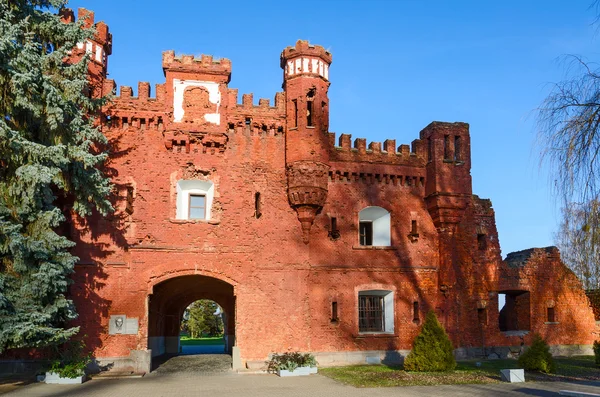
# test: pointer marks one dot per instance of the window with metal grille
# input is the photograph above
(366, 233)
(371, 313)
(197, 206)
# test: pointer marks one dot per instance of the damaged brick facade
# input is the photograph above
(306, 242)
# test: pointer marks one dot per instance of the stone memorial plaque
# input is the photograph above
(131, 326)
(117, 324)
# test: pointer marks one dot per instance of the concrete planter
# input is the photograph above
(54, 378)
(300, 371)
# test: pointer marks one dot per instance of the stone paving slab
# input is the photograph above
(232, 384)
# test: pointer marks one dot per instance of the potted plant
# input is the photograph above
(69, 365)
(292, 364)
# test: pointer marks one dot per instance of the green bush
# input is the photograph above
(538, 357)
(432, 349)
(70, 361)
(597, 352)
(290, 361)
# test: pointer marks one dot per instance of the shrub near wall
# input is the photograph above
(538, 357)
(432, 349)
(597, 352)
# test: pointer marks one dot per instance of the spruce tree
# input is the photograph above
(50, 164)
(432, 349)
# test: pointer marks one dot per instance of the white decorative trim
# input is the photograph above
(214, 96)
(187, 187)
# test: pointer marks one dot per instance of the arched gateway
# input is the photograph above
(168, 301)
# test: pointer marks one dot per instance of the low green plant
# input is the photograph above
(597, 352)
(290, 361)
(538, 357)
(432, 349)
(70, 361)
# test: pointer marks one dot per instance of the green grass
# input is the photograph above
(187, 341)
(568, 369)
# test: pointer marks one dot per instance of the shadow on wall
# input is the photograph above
(97, 239)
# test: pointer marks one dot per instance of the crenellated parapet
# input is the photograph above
(377, 152)
(255, 119)
(204, 65)
(126, 111)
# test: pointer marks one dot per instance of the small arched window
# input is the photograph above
(194, 199)
(374, 227)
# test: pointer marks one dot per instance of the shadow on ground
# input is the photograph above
(196, 364)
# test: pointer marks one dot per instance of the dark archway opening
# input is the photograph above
(167, 306)
(515, 315)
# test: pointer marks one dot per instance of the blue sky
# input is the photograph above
(397, 66)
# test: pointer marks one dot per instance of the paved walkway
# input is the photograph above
(231, 384)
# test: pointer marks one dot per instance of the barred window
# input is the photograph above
(376, 311)
(370, 313)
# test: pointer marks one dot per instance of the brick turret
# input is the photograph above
(98, 48)
(306, 82)
(448, 188)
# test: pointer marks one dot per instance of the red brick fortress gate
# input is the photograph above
(308, 243)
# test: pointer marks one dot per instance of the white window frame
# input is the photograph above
(388, 310)
(188, 187)
(381, 220)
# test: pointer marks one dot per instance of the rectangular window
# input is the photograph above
(334, 233)
(370, 313)
(248, 122)
(309, 113)
(295, 102)
(416, 312)
(446, 147)
(551, 316)
(481, 242)
(129, 205)
(457, 156)
(413, 227)
(197, 207)
(366, 233)
(257, 205)
(334, 311)
(482, 316)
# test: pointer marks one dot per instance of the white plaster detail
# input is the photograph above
(315, 65)
(305, 64)
(381, 224)
(214, 96)
(80, 46)
(88, 47)
(99, 51)
(187, 187)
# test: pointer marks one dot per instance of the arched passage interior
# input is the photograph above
(169, 300)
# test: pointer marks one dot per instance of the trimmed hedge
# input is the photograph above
(432, 349)
(597, 352)
(538, 357)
